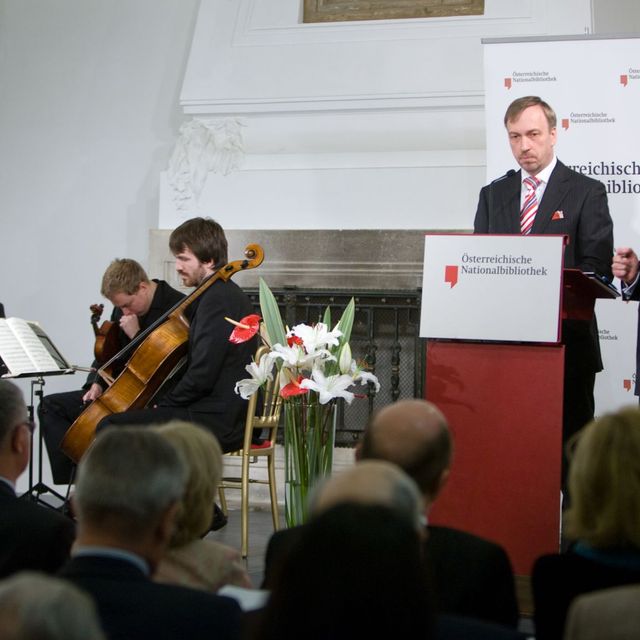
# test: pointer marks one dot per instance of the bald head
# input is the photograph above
(414, 435)
(371, 482)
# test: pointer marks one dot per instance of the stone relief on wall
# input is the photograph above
(203, 145)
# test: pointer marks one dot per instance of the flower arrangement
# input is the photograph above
(316, 369)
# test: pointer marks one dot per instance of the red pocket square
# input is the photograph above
(557, 215)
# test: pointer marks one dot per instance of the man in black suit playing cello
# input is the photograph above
(546, 197)
(204, 393)
(138, 302)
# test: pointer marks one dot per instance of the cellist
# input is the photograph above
(204, 393)
(138, 302)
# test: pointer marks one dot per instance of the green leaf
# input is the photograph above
(271, 315)
(327, 317)
(346, 322)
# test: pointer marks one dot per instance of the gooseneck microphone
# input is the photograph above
(511, 172)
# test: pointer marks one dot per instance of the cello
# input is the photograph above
(158, 352)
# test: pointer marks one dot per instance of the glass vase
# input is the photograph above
(309, 436)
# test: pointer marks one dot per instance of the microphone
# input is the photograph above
(511, 172)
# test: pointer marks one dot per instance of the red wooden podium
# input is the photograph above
(503, 401)
(504, 406)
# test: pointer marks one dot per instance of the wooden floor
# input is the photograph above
(260, 530)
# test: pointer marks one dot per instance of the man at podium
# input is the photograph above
(546, 197)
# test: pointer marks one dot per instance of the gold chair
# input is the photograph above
(266, 418)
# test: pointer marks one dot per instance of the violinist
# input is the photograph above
(138, 302)
(204, 394)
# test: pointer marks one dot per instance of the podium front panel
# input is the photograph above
(504, 406)
(488, 287)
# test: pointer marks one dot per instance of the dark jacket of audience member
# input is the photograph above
(32, 536)
(456, 562)
(469, 576)
(353, 572)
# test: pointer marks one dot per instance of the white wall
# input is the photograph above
(88, 117)
(372, 124)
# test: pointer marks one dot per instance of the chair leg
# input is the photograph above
(275, 514)
(223, 500)
(244, 504)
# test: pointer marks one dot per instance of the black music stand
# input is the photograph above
(38, 488)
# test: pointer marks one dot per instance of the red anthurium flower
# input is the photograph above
(245, 329)
(291, 340)
(293, 389)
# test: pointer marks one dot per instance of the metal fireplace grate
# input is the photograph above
(385, 336)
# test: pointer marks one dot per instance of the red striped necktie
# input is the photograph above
(530, 206)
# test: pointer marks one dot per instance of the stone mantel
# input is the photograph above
(321, 259)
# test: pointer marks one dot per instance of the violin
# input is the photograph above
(159, 351)
(107, 342)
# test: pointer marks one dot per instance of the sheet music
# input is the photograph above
(22, 350)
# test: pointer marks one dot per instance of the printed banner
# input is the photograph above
(486, 287)
(593, 84)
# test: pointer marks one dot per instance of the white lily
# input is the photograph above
(330, 387)
(296, 357)
(345, 361)
(260, 372)
(316, 337)
(291, 356)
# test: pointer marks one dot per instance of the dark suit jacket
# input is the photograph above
(586, 220)
(459, 628)
(131, 606)
(468, 576)
(32, 536)
(214, 365)
(557, 579)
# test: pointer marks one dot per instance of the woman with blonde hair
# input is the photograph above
(603, 521)
(192, 561)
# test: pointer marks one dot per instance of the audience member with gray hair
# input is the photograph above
(34, 606)
(32, 536)
(361, 551)
(128, 492)
(373, 482)
(470, 576)
(353, 572)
